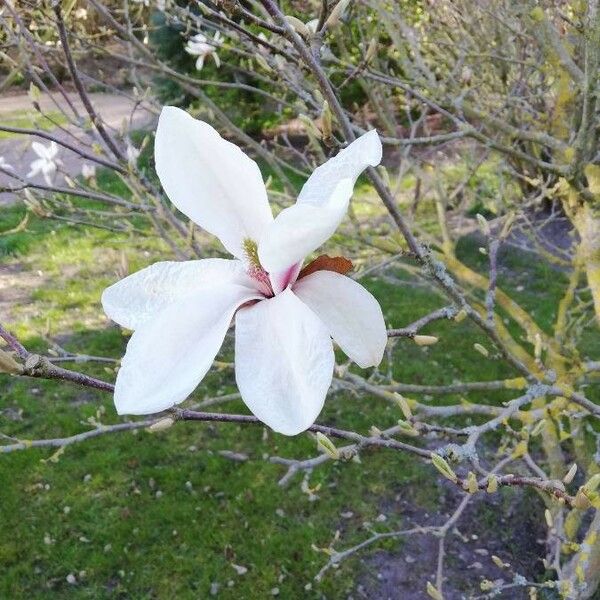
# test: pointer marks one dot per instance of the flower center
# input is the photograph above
(255, 269)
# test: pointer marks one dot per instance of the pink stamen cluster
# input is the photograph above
(262, 277)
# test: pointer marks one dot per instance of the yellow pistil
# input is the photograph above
(251, 251)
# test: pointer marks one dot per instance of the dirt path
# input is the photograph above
(16, 151)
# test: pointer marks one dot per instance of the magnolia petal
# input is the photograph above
(169, 355)
(210, 179)
(40, 150)
(285, 278)
(350, 313)
(52, 150)
(139, 297)
(302, 228)
(321, 206)
(36, 167)
(283, 362)
(349, 163)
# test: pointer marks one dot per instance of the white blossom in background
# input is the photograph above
(47, 163)
(88, 171)
(132, 154)
(284, 319)
(200, 46)
(312, 25)
(5, 165)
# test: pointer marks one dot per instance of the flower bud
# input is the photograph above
(592, 485)
(433, 592)
(461, 315)
(481, 349)
(324, 444)
(471, 484)
(374, 431)
(568, 478)
(311, 128)
(336, 14)
(326, 121)
(161, 425)
(483, 225)
(492, 485)
(407, 428)
(443, 467)
(425, 340)
(582, 502)
(298, 26)
(404, 405)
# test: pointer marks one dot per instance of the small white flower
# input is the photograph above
(144, 2)
(5, 165)
(132, 154)
(46, 163)
(181, 311)
(200, 46)
(81, 13)
(312, 25)
(88, 171)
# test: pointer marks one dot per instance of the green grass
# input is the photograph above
(27, 118)
(165, 515)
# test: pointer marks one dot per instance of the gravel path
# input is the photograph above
(16, 151)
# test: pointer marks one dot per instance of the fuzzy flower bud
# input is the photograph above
(404, 406)
(481, 349)
(336, 14)
(161, 425)
(433, 592)
(443, 467)
(492, 485)
(483, 225)
(324, 444)
(568, 478)
(425, 340)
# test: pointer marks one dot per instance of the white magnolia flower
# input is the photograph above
(200, 46)
(312, 25)
(46, 163)
(5, 165)
(88, 171)
(132, 154)
(180, 311)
